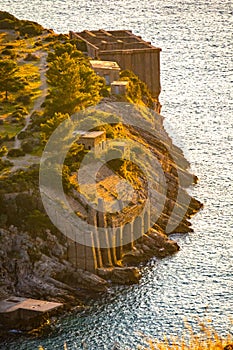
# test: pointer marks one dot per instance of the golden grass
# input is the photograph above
(207, 339)
(10, 129)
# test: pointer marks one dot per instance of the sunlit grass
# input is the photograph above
(206, 339)
(10, 129)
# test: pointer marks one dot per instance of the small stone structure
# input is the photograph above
(25, 313)
(128, 50)
(121, 146)
(92, 139)
(107, 69)
(119, 87)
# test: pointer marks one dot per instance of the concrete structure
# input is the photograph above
(119, 87)
(92, 139)
(128, 50)
(107, 69)
(120, 240)
(121, 146)
(17, 311)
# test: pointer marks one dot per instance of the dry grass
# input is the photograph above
(207, 339)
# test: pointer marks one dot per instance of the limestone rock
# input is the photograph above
(28, 269)
(120, 275)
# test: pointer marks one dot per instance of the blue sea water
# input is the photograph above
(196, 77)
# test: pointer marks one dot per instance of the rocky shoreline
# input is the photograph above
(34, 264)
(34, 253)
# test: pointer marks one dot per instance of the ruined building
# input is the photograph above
(128, 50)
(107, 69)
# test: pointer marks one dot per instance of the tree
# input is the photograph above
(60, 49)
(74, 85)
(9, 81)
(51, 124)
(137, 90)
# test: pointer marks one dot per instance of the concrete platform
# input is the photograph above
(18, 312)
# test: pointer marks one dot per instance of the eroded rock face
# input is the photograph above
(120, 275)
(28, 269)
(35, 265)
(155, 243)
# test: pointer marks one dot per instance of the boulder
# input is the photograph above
(120, 275)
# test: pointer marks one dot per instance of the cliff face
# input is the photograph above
(35, 267)
(34, 256)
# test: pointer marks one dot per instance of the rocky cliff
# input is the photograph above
(33, 252)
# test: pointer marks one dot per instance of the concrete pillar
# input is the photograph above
(119, 242)
(105, 252)
(127, 237)
(112, 242)
(90, 254)
(71, 252)
(97, 248)
(80, 256)
(101, 219)
(146, 219)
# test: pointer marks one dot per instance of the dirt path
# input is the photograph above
(41, 98)
(28, 159)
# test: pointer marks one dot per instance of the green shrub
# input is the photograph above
(6, 52)
(30, 28)
(7, 15)
(29, 145)
(31, 57)
(4, 164)
(24, 99)
(9, 47)
(7, 24)
(137, 90)
(3, 151)
(18, 115)
(23, 135)
(16, 152)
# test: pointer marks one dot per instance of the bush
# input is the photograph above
(38, 222)
(30, 28)
(6, 52)
(3, 151)
(5, 15)
(28, 145)
(38, 43)
(7, 24)
(16, 152)
(9, 47)
(31, 57)
(5, 164)
(18, 115)
(23, 135)
(24, 99)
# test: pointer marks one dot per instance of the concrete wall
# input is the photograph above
(108, 74)
(121, 240)
(144, 63)
(98, 142)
